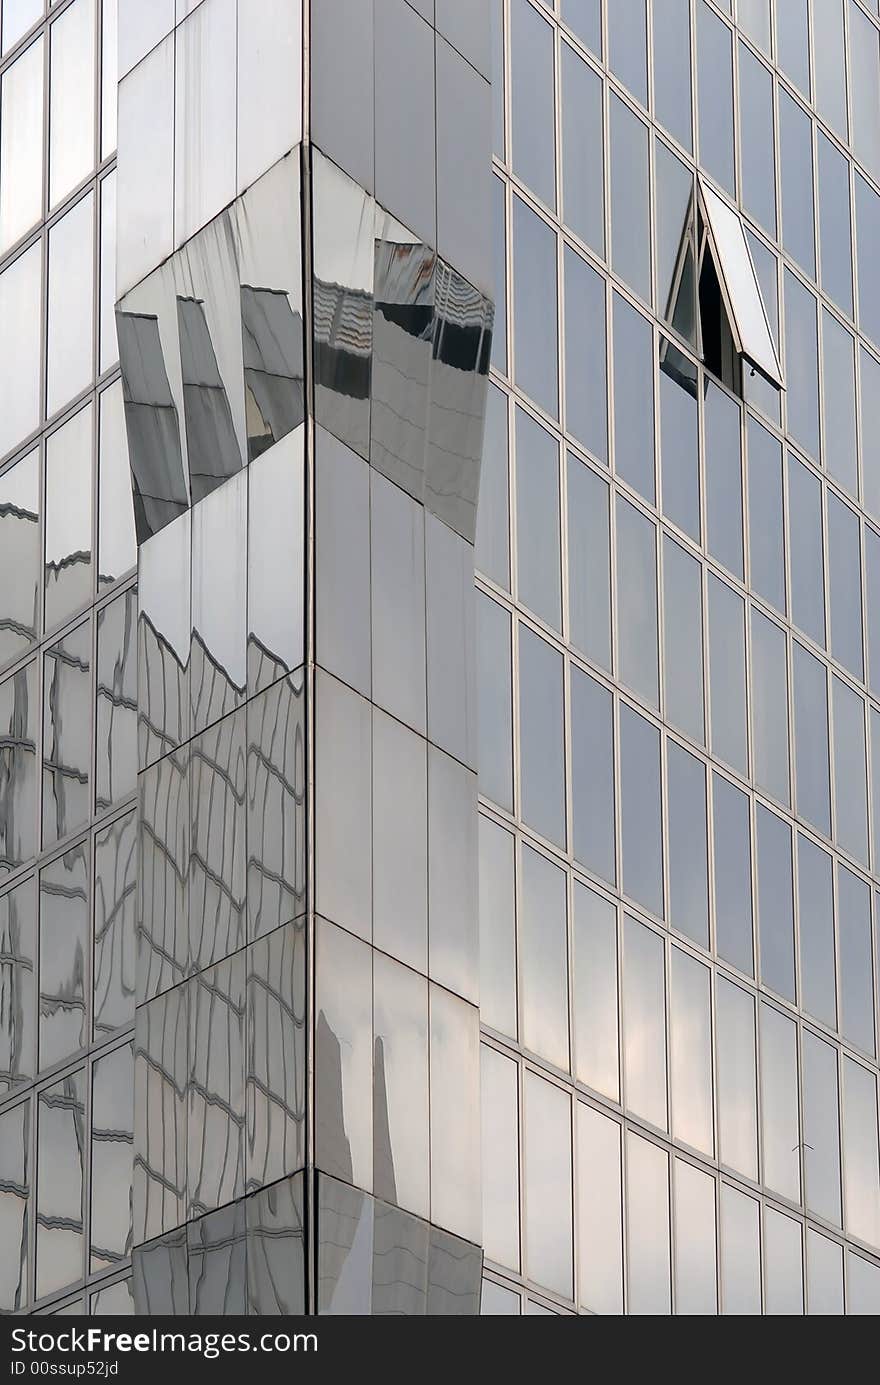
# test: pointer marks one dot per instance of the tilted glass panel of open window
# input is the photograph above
(733, 327)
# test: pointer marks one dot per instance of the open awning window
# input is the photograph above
(738, 284)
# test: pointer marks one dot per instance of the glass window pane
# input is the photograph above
(821, 1129)
(679, 458)
(627, 40)
(644, 1023)
(775, 909)
(861, 1175)
(690, 1044)
(839, 403)
(20, 348)
(16, 1172)
(539, 583)
(780, 1124)
(586, 414)
(756, 140)
(600, 1252)
(592, 775)
(647, 1188)
(672, 67)
(845, 582)
(637, 601)
(740, 1253)
(674, 242)
(71, 99)
(683, 639)
(499, 273)
(108, 349)
(850, 763)
(18, 1020)
(688, 873)
(633, 399)
(500, 1182)
(735, 261)
(816, 924)
(589, 563)
(835, 232)
(117, 545)
(811, 739)
(595, 991)
(547, 1184)
(766, 551)
(497, 928)
(867, 229)
(733, 874)
(801, 365)
(824, 1275)
(19, 720)
(67, 725)
(856, 963)
(18, 16)
(69, 365)
(793, 42)
(630, 234)
(640, 810)
(113, 972)
(544, 958)
(715, 91)
(19, 555)
(727, 675)
(112, 1157)
(534, 305)
(737, 1082)
(783, 1265)
(583, 198)
(68, 558)
(531, 100)
(796, 182)
(694, 1201)
(864, 67)
(754, 17)
(495, 702)
(541, 738)
(723, 479)
(805, 550)
(770, 706)
(61, 1147)
(21, 145)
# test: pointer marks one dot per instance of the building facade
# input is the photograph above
(411, 905)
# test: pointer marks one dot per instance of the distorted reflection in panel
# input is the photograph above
(345, 1249)
(115, 904)
(61, 1150)
(275, 1097)
(160, 488)
(455, 1114)
(403, 321)
(342, 290)
(163, 867)
(112, 1149)
(15, 1207)
(344, 1056)
(276, 538)
(67, 726)
(211, 445)
(19, 556)
(116, 693)
(217, 1263)
(459, 372)
(68, 510)
(276, 806)
(18, 768)
(216, 1086)
(400, 1263)
(454, 1270)
(218, 650)
(18, 999)
(115, 1301)
(218, 817)
(64, 943)
(164, 629)
(160, 1095)
(400, 1085)
(160, 1278)
(117, 542)
(275, 1250)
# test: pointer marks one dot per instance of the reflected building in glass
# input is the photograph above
(377, 937)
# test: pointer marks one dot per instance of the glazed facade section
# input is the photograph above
(679, 651)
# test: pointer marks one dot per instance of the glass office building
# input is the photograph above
(439, 656)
